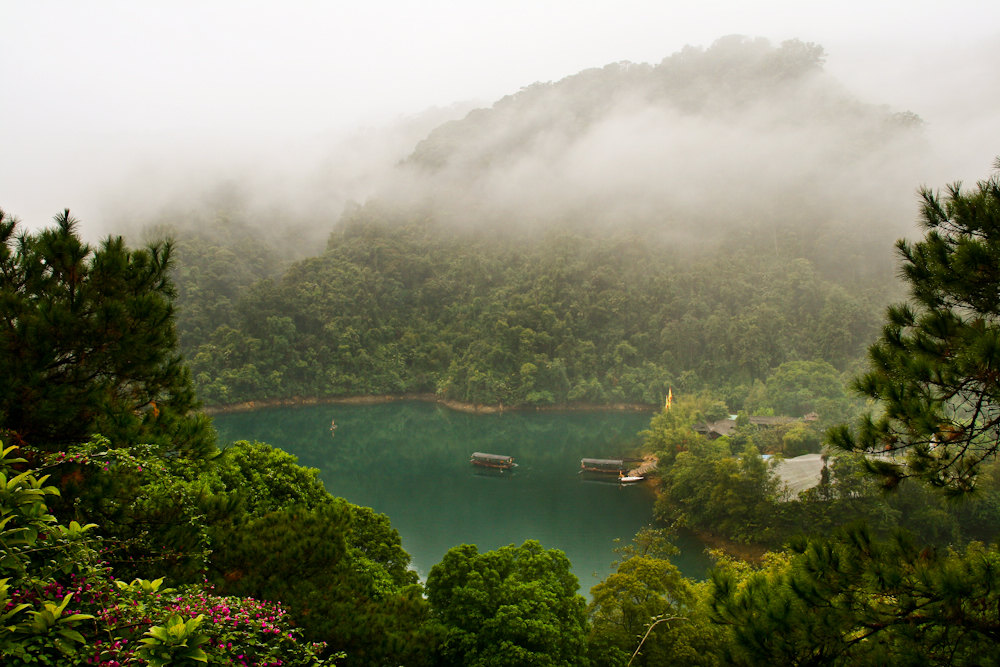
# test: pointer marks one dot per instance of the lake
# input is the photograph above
(410, 460)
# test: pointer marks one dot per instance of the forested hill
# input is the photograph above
(548, 320)
(691, 224)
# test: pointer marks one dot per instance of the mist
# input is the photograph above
(170, 111)
(740, 137)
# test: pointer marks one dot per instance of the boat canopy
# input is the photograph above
(491, 457)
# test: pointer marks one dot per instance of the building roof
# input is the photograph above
(716, 429)
(770, 421)
(801, 472)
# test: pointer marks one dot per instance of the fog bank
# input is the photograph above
(120, 111)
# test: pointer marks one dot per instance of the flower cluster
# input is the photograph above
(240, 631)
(245, 631)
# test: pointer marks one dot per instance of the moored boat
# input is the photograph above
(604, 466)
(498, 461)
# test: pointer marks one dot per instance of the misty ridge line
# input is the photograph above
(739, 135)
(740, 138)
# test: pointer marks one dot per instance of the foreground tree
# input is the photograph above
(509, 606)
(935, 371)
(87, 343)
(340, 568)
(856, 600)
(647, 600)
(87, 346)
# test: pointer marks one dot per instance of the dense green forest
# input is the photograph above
(128, 536)
(390, 310)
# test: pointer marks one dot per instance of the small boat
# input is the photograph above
(498, 461)
(628, 479)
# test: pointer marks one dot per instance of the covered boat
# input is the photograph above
(608, 466)
(499, 461)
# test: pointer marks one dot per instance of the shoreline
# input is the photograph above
(451, 404)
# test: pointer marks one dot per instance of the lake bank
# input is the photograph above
(458, 406)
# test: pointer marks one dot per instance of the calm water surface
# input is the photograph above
(410, 460)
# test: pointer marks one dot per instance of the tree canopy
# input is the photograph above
(510, 606)
(796, 388)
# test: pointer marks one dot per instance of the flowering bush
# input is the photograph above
(244, 631)
(60, 604)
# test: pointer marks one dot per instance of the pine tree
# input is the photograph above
(857, 601)
(87, 343)
(935, 371)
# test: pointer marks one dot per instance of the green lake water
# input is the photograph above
(410, 460)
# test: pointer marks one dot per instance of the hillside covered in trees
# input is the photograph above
(523, 322)
(695, 224)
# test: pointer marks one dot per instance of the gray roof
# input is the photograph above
(770, 421)
(801, 472)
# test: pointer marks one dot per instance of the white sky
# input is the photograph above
(97, 93)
